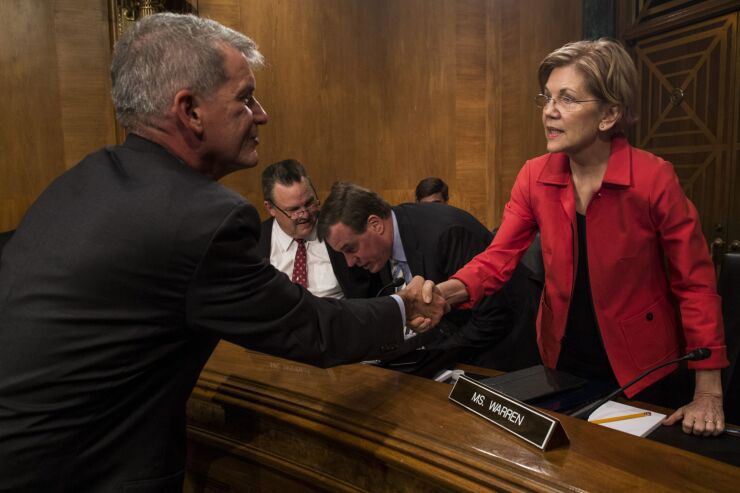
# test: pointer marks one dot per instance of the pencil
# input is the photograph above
(620, 418)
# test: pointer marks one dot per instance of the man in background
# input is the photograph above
(432, 189)
(433, 241)
(131, 266)
(288, 239)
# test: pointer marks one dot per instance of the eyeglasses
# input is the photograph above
(294, 214)
(565, 103)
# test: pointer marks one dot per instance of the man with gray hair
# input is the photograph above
(131, 266)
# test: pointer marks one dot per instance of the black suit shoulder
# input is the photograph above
(265, 240)
(439, 239)
(119, 281)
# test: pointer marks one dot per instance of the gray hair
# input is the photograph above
(164, 53)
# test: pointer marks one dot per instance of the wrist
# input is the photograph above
(454, 291)
(700, 394)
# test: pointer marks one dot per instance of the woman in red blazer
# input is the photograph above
(608, 214)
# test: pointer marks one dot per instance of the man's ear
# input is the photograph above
(269, 208)
(188, 111)
(375, 224)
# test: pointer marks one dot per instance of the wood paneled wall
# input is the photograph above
(54, 84)
(382, 92)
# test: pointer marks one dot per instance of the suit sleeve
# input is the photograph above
(691, 274)
(240, 297)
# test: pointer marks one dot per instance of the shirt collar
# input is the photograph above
(285, 241)
(618, 172)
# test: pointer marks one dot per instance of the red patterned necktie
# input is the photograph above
(300, 267)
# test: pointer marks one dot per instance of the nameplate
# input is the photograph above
(512, 415)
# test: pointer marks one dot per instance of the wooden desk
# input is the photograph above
(259, 423)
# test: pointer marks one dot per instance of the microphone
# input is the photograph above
(399, 281)
(695, 355)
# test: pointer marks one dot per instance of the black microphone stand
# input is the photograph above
(585, 411)
(393, 284)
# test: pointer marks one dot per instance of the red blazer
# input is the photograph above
(638, 217)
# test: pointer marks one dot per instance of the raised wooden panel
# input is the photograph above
(733, 227)
(31, 141)
(641, 18)
(472, 165)
(646, 10)
(686, 110)
(224, 11)
(522, 34)
(54, 58)
(382, 93)
(358, 91)
(387, 92)
(83, 57)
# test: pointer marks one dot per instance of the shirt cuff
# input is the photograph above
(402, 306)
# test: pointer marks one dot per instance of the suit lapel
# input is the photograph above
(414, 257)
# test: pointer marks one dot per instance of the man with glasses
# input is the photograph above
(293, 248)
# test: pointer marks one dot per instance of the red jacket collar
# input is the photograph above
(618, 172)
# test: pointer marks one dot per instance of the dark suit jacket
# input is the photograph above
(438, 240)
(5, 237)
(354, 281)
(115, 288)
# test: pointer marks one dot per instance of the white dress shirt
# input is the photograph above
(321, 279)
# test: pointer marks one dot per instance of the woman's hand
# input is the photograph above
(454, 291)
(704, 415)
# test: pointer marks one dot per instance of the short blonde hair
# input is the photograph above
(609, 72)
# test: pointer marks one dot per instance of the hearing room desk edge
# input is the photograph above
(261, 423)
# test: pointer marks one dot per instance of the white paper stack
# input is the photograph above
(639, 426)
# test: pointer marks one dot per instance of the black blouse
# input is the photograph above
(582, 349)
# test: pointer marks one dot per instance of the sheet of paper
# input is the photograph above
(640, 427)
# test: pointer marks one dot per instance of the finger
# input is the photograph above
(709, 428)
(687, 425)
(671, 420)
(419, 324)
(699, 426)
(719, 427)
(426, 325)
(427, 291)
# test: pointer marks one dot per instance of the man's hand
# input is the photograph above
(425, 305)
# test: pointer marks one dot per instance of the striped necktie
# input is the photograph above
(399, 269)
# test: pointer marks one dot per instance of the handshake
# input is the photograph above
(425, 304)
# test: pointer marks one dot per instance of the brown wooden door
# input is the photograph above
(689, 116)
